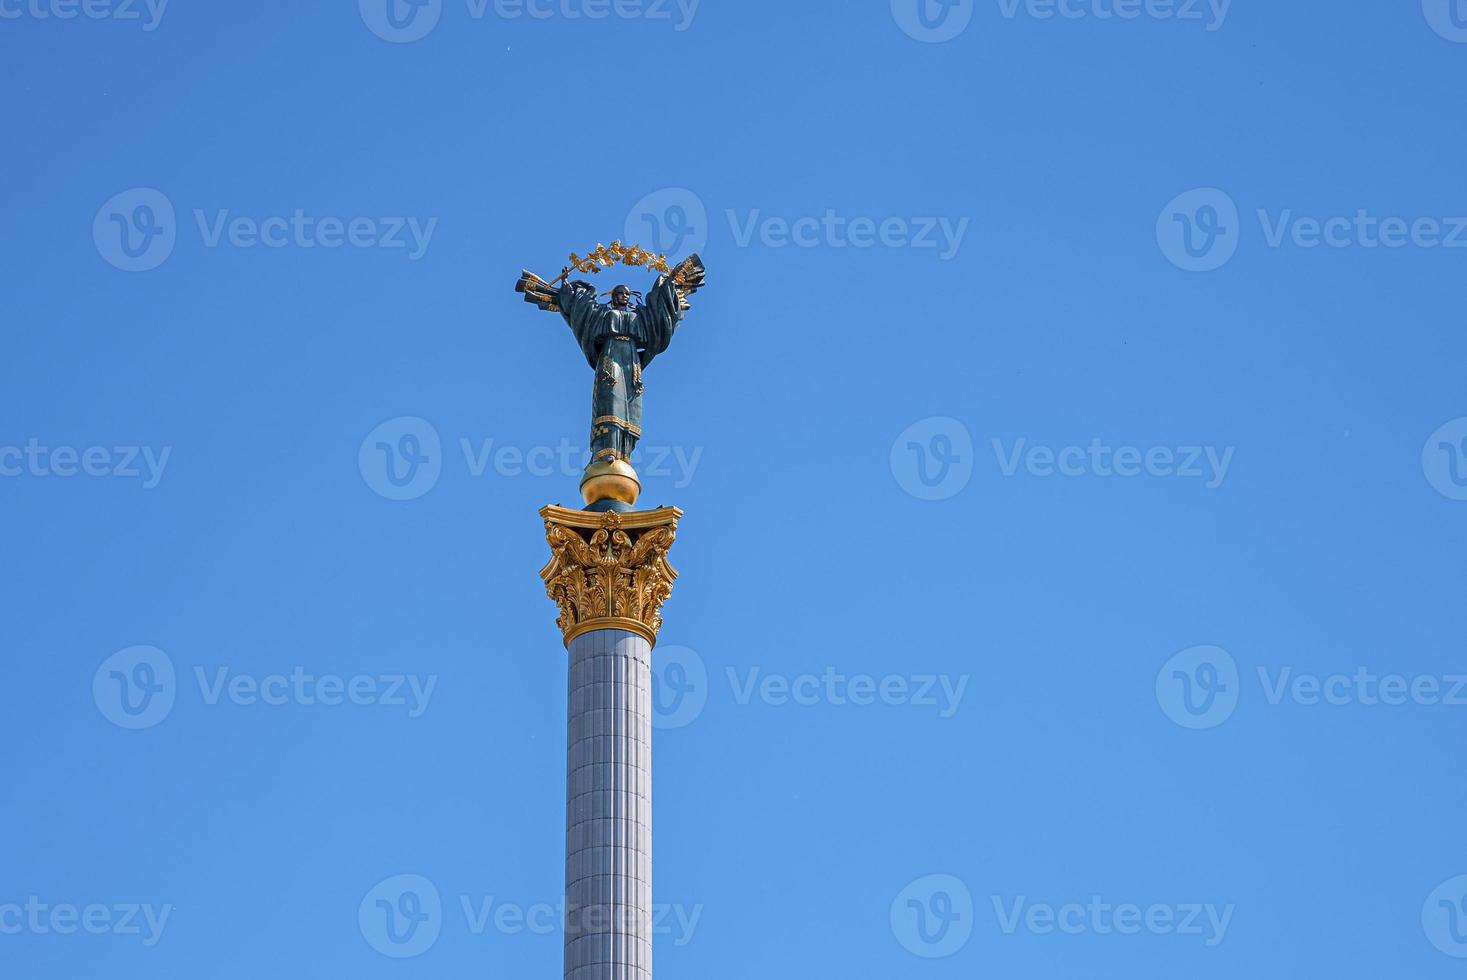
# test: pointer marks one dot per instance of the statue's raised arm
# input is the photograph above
(666, 304)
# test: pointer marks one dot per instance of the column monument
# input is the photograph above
(609, 576)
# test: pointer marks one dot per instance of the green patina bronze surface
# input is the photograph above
(619, 339)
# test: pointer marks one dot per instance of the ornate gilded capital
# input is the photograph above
(609, 571)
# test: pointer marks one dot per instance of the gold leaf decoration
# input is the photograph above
(609, 571)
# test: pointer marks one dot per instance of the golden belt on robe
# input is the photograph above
(614, 420)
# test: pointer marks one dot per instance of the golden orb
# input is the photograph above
(610, 479)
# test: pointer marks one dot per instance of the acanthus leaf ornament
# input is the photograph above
(609, 570)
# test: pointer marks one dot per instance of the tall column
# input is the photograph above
(608, 838)
(609, 575)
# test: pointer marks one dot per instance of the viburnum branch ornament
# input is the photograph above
(619, 339)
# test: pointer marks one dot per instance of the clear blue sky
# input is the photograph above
(1102, 295)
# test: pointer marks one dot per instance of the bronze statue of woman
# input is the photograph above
(619, 339)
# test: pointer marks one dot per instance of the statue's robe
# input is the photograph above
(619, 344)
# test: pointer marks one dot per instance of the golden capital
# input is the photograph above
(609, 571)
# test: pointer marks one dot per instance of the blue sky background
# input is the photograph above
(1333, 541)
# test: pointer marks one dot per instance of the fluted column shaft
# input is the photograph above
(608, 853)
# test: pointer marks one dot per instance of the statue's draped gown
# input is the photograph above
(618, 344)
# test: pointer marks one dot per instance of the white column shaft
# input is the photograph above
(608, 847)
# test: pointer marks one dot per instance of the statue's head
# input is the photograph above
(621, 297)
